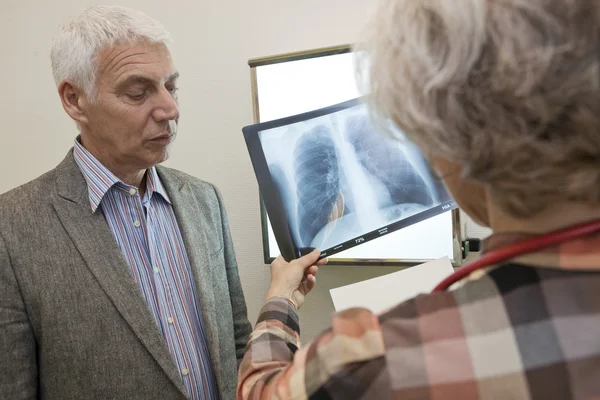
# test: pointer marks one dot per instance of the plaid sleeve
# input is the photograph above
(273, 369)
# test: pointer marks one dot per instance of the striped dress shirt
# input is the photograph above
(148, 235)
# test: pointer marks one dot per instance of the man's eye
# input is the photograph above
(136, 95)
(173, 90)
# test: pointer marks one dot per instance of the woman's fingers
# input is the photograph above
(310, 282)
(308, 260)
(296, 278)
(313, 269)
(307, 284)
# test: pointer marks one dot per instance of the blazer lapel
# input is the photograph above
(189, 216)
(97, 246)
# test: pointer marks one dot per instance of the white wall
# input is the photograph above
(213, 41)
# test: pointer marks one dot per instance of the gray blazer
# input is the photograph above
(73, 323)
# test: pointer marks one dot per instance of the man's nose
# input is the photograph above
(166, 107)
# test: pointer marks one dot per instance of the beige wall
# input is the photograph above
(213, 40)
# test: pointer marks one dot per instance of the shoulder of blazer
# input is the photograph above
(25, 200)
(21, 200)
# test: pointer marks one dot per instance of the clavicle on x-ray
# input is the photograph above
(338, 178)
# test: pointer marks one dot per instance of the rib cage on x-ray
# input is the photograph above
(317, 179)
(387, 162)
(339, 179)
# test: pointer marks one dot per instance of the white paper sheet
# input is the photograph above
(381, 293)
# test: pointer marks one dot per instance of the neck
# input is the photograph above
(556, 217)
(135, 178)
(131, 176)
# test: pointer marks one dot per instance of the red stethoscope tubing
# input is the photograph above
(520, 248)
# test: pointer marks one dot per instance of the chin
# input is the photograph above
(162, 159)
(157, 159)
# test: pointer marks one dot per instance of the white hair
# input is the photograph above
(509, 89)
(78, 43)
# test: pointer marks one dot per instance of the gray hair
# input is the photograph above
(509, 89)
(76, 46)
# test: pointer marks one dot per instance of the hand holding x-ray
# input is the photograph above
(294, 280)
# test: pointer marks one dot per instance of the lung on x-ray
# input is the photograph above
(331, 180)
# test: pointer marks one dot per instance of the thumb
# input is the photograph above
(309, 259)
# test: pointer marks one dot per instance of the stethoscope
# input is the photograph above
(520, 248)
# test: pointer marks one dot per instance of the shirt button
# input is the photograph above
(170, 320)
(136, 223)
(132, 191)
(156, 270)
(185, 371)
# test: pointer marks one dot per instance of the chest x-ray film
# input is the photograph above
(330, 180)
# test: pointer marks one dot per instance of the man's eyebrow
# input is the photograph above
(174, 76)
(135, 79)
(144, 80)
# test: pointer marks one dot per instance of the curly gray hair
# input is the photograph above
(509, 89)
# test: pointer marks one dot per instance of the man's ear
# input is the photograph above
(73, 100)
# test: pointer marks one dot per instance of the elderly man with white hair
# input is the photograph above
(118, 277)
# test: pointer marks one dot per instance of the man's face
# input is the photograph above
(133, 121)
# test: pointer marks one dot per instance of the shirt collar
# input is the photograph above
(100, 179)
(154, 185)
(578, 254)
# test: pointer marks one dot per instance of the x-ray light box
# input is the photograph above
(296, 83)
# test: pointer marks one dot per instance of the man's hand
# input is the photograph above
(295, 279)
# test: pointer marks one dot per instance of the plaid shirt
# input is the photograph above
(512, 331)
